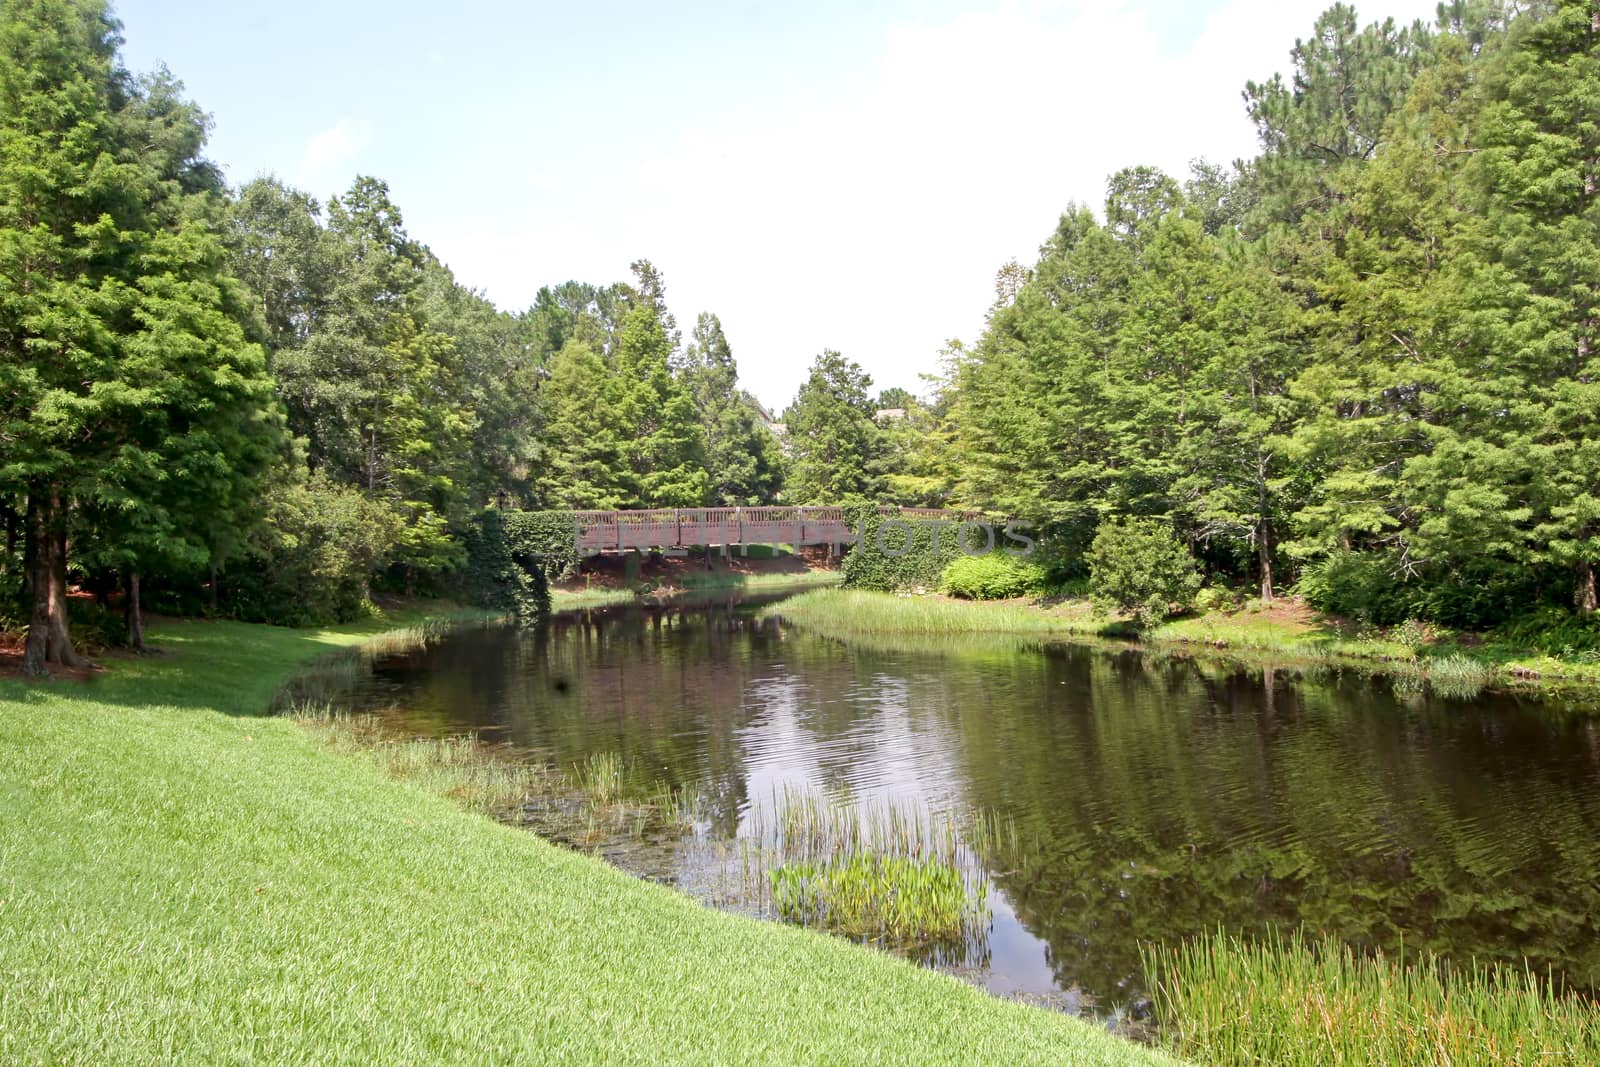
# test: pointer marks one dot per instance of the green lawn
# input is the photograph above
(183, 880)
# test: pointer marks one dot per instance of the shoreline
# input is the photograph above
(178, 858)
(1287, 635)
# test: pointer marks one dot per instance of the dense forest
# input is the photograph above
(1360, 364)
(1362, 361)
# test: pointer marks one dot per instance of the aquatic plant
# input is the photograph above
(1292, 1000)
(1458, 676)
(602, 777)
(850, 613)
(881, 870)
(892, 898)
(477, 775)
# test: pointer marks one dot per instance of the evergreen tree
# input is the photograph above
(119, 358)
(1530, 271)
(742, 459)
(836, 445)
(666, 443)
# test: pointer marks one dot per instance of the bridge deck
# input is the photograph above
(686, 527)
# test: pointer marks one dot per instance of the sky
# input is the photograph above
(831, 174)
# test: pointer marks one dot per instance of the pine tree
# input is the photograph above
(1531, 264)
(120, 364)
(742, 458)
(836, 445)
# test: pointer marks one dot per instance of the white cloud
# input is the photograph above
(875, 225)
(325, 163)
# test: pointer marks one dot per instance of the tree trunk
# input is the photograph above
(411, 582)
(48, 638)
(1585, 597)
(11, 532)
(211, 591)
(1264, 552)
(134, 613)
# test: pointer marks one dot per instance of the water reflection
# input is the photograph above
(1156, 797)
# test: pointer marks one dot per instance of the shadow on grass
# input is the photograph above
(232, 667)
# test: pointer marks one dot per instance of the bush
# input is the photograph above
(1555, 631)
(996, 576)
(312, 559)
(1215, 598)
(1361, 586)
(513, 556)
(1139, 567)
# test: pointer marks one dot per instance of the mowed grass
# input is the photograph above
(181, 880)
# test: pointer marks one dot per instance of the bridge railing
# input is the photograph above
(682, 527)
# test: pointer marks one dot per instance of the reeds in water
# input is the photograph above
(891, 898)
(851, 612)
(1292, 1000)
(1457, 676)
(884, 870)
(477, 775)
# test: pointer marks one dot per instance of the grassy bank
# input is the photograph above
(1285, 630)
(182, 880)
(853, 613)
(685, 581)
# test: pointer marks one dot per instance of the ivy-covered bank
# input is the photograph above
(893, 553)
(514, 556)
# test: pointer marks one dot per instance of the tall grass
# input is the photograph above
(849, 612)
(885, 870)
(1458, 676)
(1291, 1000)
(601, 778)
(892, 898)
(479, 776)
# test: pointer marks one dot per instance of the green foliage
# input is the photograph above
(312, 559)
(513, 556)
(1215, 598)
(891, 553)
(1358, 586)
(837, 447)
(1552, 630)
(1296, 1000)
(1376, 339)
(742, 457)
(133, 409)
(1140, 568)
(995, 576)
(898, 899)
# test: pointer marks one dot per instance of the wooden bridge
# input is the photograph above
(599, 531)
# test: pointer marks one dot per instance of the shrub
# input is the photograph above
(312, 558)
(1555, 631)
(1215, 598)
(1362, 586)
(1139, 567)
(996, 576)
(512, 556)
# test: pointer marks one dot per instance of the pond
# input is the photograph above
(1150, 797)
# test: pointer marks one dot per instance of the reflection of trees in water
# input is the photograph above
(1166, 796)
(1169, 802)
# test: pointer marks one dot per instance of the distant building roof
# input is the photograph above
(891, 413)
